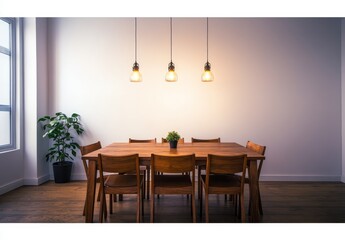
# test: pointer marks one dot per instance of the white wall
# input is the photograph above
(277, 82)
(35, 100)
(343, 95)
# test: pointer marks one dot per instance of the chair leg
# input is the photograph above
(105, 207)
(243, 213)
(142, 200)
(101, 209)
(235, 204)
(152, 207)
(193, 207)
(148, 182)
(99, 194)
(186, 173)
(84, 210)
(249, 207)
(199, 181)
(206, 208)
(144, 185)
(110, 203)
(138, 206)
(260, 204)
(200, 203)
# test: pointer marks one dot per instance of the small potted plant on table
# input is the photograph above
(59, 128)
(173, 138)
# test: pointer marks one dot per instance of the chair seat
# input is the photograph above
(223, 181)
(121, 181)
(173, 181)
(173, 184)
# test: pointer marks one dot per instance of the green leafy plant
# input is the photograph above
(173, 136)
(59, 128)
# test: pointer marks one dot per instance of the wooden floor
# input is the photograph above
(283, 202)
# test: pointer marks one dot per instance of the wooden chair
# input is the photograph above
(146, 168)
(85, 150)
(261, 150)
(222, 178)
(181, 140)
(119, 183)
(172, 184)
(200, 165)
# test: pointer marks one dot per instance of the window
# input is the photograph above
(7, 83)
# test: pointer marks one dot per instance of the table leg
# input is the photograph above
(91, 190)
(254, 192)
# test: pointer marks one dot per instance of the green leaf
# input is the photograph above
(61, 130)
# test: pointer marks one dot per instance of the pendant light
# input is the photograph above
(171, 75)
(207, 75)
(136, 75)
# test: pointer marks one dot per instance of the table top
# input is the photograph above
(201, 150)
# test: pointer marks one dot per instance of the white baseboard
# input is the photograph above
(316, 178)
(343, 179)
(37, 181)
(11, 186)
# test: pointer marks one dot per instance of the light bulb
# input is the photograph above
(136, 75)
(171, 75)
(207, 75)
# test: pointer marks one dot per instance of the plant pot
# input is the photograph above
(62, 171)
(173, 144)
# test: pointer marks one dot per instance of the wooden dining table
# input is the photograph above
(201, 150)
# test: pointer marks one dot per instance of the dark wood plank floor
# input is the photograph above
(283, 202)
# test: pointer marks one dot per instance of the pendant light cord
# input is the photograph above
(135, 39)
(207, 38)
(170, 39)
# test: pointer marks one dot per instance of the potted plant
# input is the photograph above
(60, 129)
(173, 138)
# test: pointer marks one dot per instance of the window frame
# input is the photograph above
(11, 108)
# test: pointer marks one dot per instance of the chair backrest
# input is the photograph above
(256, 147)
(131, 140)
(181, 140)
(197, 140)
(87, 149)
(259, 149)
(172, 163)
(119, 164)
(229, 164)
(90, 148)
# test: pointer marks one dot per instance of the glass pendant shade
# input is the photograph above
(207, 75)
(136, 75)
(171, 75)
